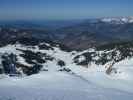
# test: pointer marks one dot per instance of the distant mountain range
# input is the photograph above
(94, 32)
(118, 20)
(75, 34)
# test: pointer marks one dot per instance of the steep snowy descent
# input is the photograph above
(65, 81)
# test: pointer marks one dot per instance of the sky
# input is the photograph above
(63, 9)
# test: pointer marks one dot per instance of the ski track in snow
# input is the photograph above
(80, 84)
(56, 86)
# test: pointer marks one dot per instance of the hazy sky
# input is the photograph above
(63, 9)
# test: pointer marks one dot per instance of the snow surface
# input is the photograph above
(56, 86)
(81, 83)
(118, 20)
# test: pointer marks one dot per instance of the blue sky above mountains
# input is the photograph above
(63, 9)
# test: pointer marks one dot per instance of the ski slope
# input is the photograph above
(80, 84)
(56, 86)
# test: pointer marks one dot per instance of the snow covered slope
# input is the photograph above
(61, 78)
(56, 86)
(118, 20)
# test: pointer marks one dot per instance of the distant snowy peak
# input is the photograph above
(118, 20)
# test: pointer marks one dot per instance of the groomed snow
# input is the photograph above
(81, 83)
(56, 86)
